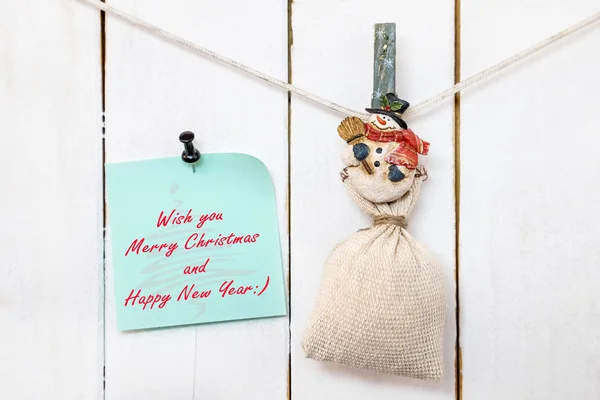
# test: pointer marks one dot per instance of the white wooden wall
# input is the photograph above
(529, 198)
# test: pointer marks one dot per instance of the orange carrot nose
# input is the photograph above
(380, 120)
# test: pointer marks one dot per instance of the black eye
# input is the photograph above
(395, 175)
(361, 151)
(379, 150)
(376, 163)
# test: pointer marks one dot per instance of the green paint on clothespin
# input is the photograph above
(384, 62)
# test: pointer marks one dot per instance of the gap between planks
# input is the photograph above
(290, 42)
(102, 296)
(457, 62)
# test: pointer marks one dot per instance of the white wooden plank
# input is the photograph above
(50, 208)
(332, 56)
(155, 90)
(529, 215)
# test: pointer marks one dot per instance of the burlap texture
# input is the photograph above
(381, 303)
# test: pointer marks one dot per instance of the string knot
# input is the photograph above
(386, 219)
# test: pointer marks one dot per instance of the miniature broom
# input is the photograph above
(351, 129)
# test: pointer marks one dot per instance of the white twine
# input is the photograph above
(486, 73)
(329, 104)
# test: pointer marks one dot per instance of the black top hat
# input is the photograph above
(392, 106)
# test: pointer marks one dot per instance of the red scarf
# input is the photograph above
(410, 145)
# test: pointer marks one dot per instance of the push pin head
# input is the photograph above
(190, 154)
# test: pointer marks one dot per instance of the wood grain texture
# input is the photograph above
(50, 213)
(529, 217)
(155, 90)
(333, 57)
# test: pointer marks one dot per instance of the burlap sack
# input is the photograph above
(381, 303)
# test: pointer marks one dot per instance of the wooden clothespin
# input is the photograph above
(352, 129)
(384, 62)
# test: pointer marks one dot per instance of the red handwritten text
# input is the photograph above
(174, 218)
(136, 247)
(197, 241)
(209, 217)
(227, 289)
(149, 300)
(188, 291)
(196, 269)
(265, 287)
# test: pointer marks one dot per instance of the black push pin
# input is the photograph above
(190, 154)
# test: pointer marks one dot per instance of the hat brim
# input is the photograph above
(392, 114)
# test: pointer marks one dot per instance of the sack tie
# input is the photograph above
(386, 219)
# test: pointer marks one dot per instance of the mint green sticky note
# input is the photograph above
(191, 248)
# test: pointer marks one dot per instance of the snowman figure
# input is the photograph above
(395, 321)
(382, 154)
